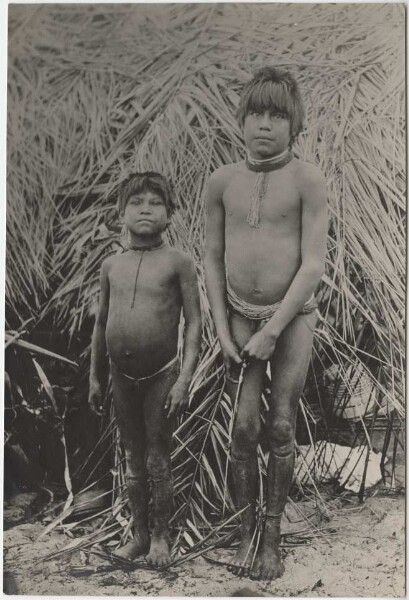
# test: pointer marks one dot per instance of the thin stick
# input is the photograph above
(231, 425)
(197, 552)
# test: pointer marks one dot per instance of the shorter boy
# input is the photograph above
(142, 293)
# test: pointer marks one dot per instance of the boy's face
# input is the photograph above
(145, 213)
(266, 134)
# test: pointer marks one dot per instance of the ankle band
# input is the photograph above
(242, 460)
(136, 478)
(274, 519)
(289, 454)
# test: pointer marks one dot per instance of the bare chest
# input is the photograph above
(146, 275)
(280, 204)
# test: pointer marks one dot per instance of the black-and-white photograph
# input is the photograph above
(205, 300)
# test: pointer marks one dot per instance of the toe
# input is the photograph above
(269, 574)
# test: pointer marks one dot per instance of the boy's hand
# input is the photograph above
(231, 357)
(95, 398)
(177, 399)
(260, 346)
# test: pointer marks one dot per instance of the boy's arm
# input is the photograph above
(178, 395)
(313, 249)
(215, 267)
(98, 370)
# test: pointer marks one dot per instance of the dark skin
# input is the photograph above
(140, 340)
(282, 260)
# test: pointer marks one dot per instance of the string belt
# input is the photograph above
(256, 312)
(141, 379)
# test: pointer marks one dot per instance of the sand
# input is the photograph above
(364, 556)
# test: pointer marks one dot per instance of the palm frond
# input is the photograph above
(98, 91)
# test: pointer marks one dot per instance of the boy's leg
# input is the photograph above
(245, 438)
(289, 366)
(129, 417)
(158, 442)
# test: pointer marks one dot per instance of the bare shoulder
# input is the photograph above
(310, 182)
(182, 261)
(183, 265)
(308, 174)
(221, 177)
(109, 262)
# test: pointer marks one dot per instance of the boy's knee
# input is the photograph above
(281, 436)
(158, 466)
(245, 439)
(135, 466)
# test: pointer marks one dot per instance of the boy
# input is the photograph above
(265, 252)
(142, 294)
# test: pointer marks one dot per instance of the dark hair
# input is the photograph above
(143, 182)
(273, 90)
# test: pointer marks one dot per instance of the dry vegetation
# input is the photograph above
(97, 91)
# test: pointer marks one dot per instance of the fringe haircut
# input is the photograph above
(151, 181)
(273, 90)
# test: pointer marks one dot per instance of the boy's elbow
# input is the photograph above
(194, 324)
(315, 270)
(207, 262)
(319, 271)
(198, 327)
(101, 322)
(212, 258)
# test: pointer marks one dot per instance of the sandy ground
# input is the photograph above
(364, 556)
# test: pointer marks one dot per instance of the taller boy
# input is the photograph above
(266, 243)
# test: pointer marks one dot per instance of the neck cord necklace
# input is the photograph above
(142, 249)
(154, 246)
(269, 164)
(262, 167)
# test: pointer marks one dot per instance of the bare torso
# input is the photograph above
(262, 262)
(143, 338)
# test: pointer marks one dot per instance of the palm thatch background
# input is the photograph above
(98, 91)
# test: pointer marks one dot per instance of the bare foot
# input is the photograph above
(159, 555)
(268, 564)
(133, 549)
(241, 563)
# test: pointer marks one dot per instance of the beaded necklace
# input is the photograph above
(262, 167)
(142, 250)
